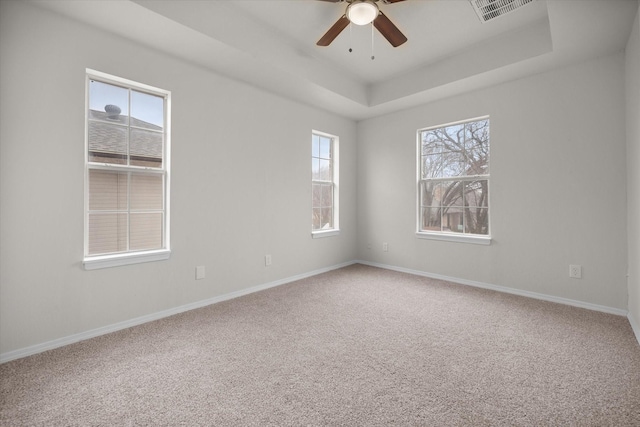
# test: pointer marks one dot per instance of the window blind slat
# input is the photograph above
(107, 233)
(146, 191)
(146, 231)
(107, 190)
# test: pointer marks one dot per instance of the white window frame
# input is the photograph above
(441, 235)
(91, 262)
(335, 167)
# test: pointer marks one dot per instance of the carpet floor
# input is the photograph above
(358, 346)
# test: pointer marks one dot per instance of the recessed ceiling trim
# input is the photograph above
(490, 9)
(505, 50)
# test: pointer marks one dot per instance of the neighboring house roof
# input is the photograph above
(108, 135)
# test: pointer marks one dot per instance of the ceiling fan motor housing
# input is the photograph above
(362, 12)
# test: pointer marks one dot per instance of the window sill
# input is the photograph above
(105, 261)
(324, 233)
(458, 238)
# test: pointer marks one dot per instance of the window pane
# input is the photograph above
(315, 169)
(108, 102)
(477, 147)
(325, 170)
(147, 111)
(325, 148)
(451, 136)
(439, 190)
(432, 142)
(327, 196)
(315, 146)
(428, 147)
(322, 195)
(327, 218)
(476, 220)
(444, 152)
(146, 231)
(444, 165)
(431, 219)
(431, 194)
(146, 148)
(477, 162)
(432, 166)
(316, 218)
(107, 233)
(451, 193)
(453, 164)
(452, 220)
(107, 190)
(316, 195)
(476, 193)
(107, 143)
(146, 191)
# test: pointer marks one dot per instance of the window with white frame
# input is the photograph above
(453, 181)
(324, 184)
(127, 167)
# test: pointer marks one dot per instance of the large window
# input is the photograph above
(453, 181)
(324, 184)
(126, 172)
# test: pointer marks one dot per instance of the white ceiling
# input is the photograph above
(271, 44)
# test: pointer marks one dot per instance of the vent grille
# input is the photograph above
(490, 9)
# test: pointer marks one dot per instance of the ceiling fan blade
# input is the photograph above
(333, 32)
(389, 30)
(338, 1)
(386, 1)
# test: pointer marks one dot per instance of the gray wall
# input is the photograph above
(557, 190)
(241, 188)
(633, 171)
(241, 183)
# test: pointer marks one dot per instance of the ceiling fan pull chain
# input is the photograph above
(350, 36)
(372, 34)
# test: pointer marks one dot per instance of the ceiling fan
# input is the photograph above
(362, 12)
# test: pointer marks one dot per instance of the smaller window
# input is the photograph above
(453, 181)
(324, 184)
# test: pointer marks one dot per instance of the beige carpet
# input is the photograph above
(359, 346)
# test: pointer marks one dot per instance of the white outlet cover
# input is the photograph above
(575, 271)
(200, 272)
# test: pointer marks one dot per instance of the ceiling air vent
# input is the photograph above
(490, 9)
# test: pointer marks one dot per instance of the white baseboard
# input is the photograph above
(50, 345)
(535, 295)
(71, 339)
(635, 326)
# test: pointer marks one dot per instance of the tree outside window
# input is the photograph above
(454, 178)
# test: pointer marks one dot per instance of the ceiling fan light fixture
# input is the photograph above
(362, 12)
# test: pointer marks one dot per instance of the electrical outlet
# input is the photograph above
(385, 247)
(575, 271)
(267, 260)
(200, 272)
